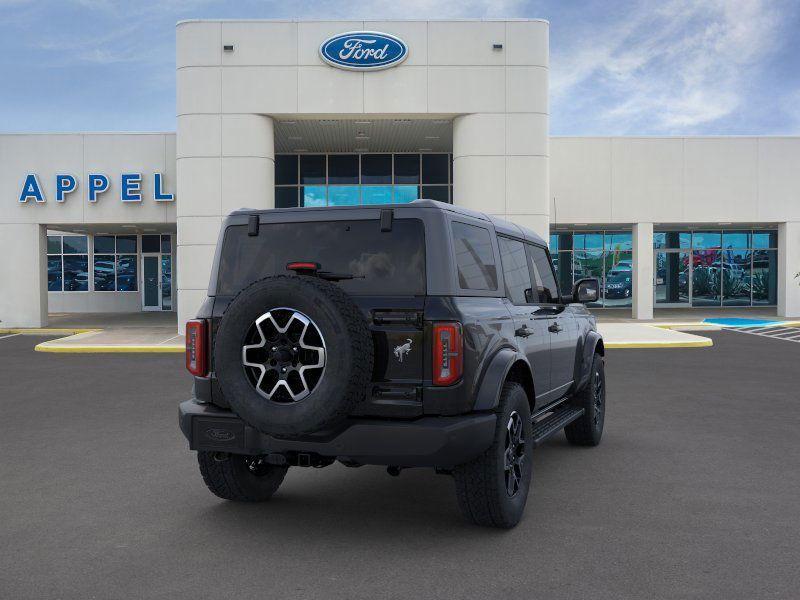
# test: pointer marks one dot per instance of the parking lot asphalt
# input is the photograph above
(693, 493)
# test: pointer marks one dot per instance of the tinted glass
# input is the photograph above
(618, 285)
(151, 243)
(104, 272)
(343, 195)
(314, 195)
(104, 244)
(166, 282)
(435, 192)
(515, 270)
(672, 239)
(618, 241)
(343, 168)
(376, 194)
(75, 244)
(406, 168)
(126, 274)
(706, 239)
(589, 263)
(405, 193)
(562, 262)
(588, 241)
(285, 197)
(126, 244)
(285, 169)
(312, 168)
(706, 277)
(765, 239)
(434, 168)
(736, 239)
(54, 244)
(76, 273)
(376, 168)
(54, 280)
(736, 277)
(474, 257)
(672, 277)
(384, 263)
(546, 288)
(765, 277)
(166, 244)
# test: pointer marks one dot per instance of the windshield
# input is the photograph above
(382, 263)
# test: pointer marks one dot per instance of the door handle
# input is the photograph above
(523, 332)
(554, 328)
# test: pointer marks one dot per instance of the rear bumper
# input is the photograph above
(426, 442)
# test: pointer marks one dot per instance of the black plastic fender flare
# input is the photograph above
(495, 375)
(590, 344)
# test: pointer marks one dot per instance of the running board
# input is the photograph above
(554, 422)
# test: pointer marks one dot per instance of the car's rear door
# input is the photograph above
(531, 333)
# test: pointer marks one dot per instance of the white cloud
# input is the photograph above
(670, 68)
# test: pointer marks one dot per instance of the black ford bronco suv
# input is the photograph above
(414, 335)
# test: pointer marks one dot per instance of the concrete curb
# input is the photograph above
(46, 331)
(101, 349)
(704, 343)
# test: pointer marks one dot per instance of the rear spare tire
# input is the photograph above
(293, 355)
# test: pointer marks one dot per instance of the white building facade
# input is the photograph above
(268, 117)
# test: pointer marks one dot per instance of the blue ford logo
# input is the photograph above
(363, 50)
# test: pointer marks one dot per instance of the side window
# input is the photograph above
(515, 271)
(543, 273)
(474, 257)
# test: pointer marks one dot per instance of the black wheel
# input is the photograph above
(239, 477)
(293, 354)
(493, 488)
(587, 430)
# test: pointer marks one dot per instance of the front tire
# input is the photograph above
(493, 488)
(238, 477)
(588, 429)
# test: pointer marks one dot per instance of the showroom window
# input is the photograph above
(115, 263)
(716, 267)
(361, 179)
(607, 255)
(67, 263)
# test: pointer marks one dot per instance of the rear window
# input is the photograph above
(474, 257)
(385, 263)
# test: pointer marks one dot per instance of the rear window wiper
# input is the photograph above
(315, 269)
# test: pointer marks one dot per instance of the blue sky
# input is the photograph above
(617, 68)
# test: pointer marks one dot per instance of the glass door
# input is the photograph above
(151, 282)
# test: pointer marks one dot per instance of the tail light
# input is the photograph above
(448, 353)
(197, 348)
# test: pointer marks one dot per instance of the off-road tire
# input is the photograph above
(481, 485)
(588, 429)
(229, 477)
(349, 354)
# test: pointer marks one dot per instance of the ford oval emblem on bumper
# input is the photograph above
(363, 50)
(220, 435)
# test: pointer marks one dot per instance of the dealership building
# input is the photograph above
(275, 114)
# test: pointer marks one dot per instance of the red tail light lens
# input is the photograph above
(196, 348)
(448, 353)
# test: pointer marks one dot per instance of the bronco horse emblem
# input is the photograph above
(402, 350)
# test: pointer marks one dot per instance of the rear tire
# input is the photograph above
(493, 488)
(588, 429)
(238, 477)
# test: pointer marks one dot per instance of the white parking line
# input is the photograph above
(2, 337)
(790, 334)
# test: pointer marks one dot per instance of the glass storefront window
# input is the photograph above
(736, 239)
(588, 241)
(343, 195)
(706, 277)
(405, 193)
(104, 272)
(320, 174)
(376, 194)
(54, 244)
(706, 240)
(166, 244)
(343, 168)
(54, 273)
(588, 263)
(618, 241)
(618, 281)
(312, 168)
(672, 278)
(67, 263)
(376, 168)
(672, 239)
(75, 244)
(151, 243)
(765, 239)
(314, 195)
(765, 277)
(104, 244)
(736, 277)
(76, 273)
(126, 274)
(126, 244)
(562, 261)
(406, 168)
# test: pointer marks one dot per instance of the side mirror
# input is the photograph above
(586, 290)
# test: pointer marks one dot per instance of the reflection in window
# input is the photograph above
(55, 279)
(376, 194)
(515, 270)
(67, 263)
(76, 273)
(765, 277)
(405, 193)
(343, 195)
(104, 273)
(314, 195)
(126, 273)
(474, 257)
(546, 289)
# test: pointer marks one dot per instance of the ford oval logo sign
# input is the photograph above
(363, 50)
